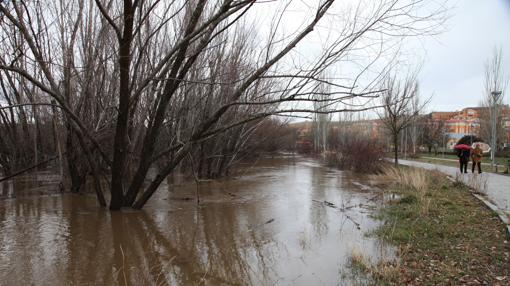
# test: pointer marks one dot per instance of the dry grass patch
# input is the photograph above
(445, 235)
(366, 272)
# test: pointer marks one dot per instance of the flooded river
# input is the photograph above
(268, 226)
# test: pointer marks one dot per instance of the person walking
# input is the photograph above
(476, 157)
(463, 159)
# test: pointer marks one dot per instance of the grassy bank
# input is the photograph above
(444, 235)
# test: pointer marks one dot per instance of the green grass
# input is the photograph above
(438, 161)
(445, 237)
(449, 163)
(486, 159)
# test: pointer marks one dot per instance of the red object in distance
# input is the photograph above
(462, 147)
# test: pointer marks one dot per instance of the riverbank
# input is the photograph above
(445, 236)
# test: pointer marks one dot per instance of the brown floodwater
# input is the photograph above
(266, 226)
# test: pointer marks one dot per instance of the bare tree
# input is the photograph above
(399, 108)
(495, 86)
(415, 131)
(322, 119)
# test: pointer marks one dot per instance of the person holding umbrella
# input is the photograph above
(463, 152)
(476, 157)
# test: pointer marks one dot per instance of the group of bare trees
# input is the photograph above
(400, 109)
(113, 89)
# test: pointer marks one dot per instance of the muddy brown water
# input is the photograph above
(264, 227)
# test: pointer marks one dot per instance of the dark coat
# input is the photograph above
(464, 156)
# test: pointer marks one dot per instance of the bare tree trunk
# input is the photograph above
(156, 122)
(56, 140)
(395, 148)
(121, 131)
(95, 172)
(73, 161)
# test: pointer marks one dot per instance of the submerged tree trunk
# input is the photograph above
(76, 175)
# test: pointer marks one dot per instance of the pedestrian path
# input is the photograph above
(498, 186)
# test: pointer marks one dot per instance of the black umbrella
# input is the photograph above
(469, 140)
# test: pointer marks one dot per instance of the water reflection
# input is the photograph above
(37, 183)
(267, 227)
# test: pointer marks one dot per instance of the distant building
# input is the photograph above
(467, 122)
(442, 116)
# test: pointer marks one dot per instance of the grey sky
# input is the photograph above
(453, 65)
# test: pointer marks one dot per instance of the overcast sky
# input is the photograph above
(453, 65)
(453, 62)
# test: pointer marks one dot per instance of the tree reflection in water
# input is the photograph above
(262, 228)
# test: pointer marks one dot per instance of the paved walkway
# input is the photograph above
(498, 186)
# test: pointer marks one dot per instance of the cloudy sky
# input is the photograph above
(452, 62)
(453, 65)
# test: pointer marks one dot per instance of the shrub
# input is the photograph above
(410, 199)
(357, 153)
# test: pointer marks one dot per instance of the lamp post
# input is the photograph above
(494, 118)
